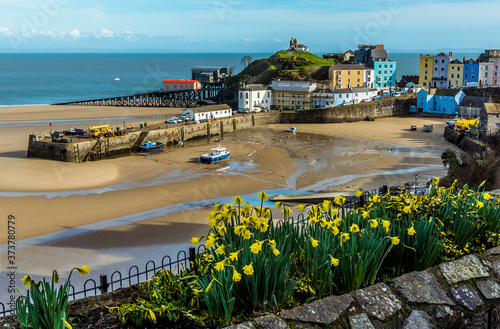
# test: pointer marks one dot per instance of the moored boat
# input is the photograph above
(218, 154)
(151, 146)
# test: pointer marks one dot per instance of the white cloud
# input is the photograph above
(277, 40)
(247, 39)
(105, 33)
(75, 34)
(4, 31)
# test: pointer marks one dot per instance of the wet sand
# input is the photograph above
(48, 197)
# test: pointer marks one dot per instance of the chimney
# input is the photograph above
(451, 55)
(464, 59)
(379, 46)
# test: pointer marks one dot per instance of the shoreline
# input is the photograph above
(116, 228)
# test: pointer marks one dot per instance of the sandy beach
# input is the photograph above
(119, 212)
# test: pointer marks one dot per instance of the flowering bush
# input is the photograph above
(252, 264)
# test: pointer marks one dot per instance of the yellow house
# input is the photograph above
(343, 76)
(425, 72)
(455, 74)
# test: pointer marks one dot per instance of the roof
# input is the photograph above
(293, 85)
(360, 90)
(179, 81)
(342, 91)
(455, 61)
(209, 69)
(302, 46)
(323, 91)
(492, 108)
(379, 53)
(211, 108)
(472, 101)
(348, 67)
(441, 54)
(446, 92)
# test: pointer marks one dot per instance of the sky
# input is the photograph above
(246, 26)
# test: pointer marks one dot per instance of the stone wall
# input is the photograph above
(464, 293)
(385, 107)
(464, 141)
(77, 152)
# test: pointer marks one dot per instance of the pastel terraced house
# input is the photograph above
(455, 74)
(443, 101)
(426, 70)
(343, 76)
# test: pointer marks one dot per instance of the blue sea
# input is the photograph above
(46, 78)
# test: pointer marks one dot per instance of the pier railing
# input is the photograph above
(183, 259)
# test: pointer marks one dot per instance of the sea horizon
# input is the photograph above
(36, 79)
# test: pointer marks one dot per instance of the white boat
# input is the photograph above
(116, 79)
(218, 154)
(451, 123)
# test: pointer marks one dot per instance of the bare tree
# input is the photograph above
(231, 70)
(246, 60)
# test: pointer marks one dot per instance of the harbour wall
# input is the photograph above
(94, 149)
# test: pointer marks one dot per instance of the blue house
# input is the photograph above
(443, 101)
(471, 73)
(342, 97)
(385, 73)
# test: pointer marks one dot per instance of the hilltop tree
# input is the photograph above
(246, 60)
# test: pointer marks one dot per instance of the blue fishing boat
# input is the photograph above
(151, 146)
(218, 154)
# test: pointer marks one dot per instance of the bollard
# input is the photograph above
(384, 189)
(362, 200)
(104, 284)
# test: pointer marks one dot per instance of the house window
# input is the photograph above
(472, 77)
(442, 69)
(390, 66)
(465, 76)
(258, 95)
(435, 68)
(458, 68)
(442, 61)
(246, 95)
(458, 75)
(426, 65)
(425, 78)
(485, 74)
(348, 72)
(466, 69)
(436, 61)
(339, 72)
(453, 68)
(452, 76)
(241, 95)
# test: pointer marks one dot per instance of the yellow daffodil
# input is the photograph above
(286, 212)
(314, 242)
(301, 207)
(407, 209)
(339, 200)
(263, 196)
(221, 250)
(246, 209)
(212, 223)
(334, 230)
(323, 222)
(344, 237)
(272, 243)
(248, 269)
(313, 220)
(386, 224)
(335, 211)
(394, 240)
(337, 221)
(374, 223)
(234, 256)
(435, 180)
(210, 243)
(228, 206)
(334, 261)
(27, 280)
(278, 204)
(256, 247)
(326, 205)
(480, 204)
(237, 200)
(411, 231)
(239, 230)
(84, 270)
(212, 215)
(276, 252)
(359, 194)
(264, 226)
(486, 196)
(219, 266)
(236, 276)
(222, 229)
(354, 228)
(217, 207)
(365, 214)
(247, 235)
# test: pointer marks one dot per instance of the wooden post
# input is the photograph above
(221, 129)
(253, 120)
(234, 124)
(208, 131)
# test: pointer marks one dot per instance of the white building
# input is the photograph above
(323, 98)
(208, 112)
(360, 95)
(342, 97)
(485, 73)
(255, 98)
(369, 77)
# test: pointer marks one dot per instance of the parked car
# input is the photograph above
(76, 131)
(413, 127)
(242, 111)
(173, 120)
